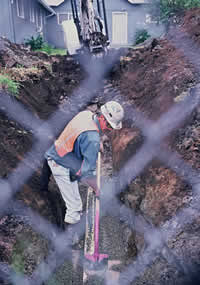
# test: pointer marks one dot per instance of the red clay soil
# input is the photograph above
(153, 79)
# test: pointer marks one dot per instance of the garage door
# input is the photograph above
(119, 28)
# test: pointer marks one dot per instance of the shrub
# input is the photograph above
(162, 10)
(35, 43)
(9, 85)
(141, 35)
(38, 44)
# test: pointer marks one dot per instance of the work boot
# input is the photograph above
(69, 229)
(78, 243)
(73, 237)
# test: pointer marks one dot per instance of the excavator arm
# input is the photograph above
(91, 24)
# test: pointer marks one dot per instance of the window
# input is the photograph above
(32, 13)
(20, 8)
(64, 17)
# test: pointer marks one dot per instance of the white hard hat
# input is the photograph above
(114, 113)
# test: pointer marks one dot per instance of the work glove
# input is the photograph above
(92, 182)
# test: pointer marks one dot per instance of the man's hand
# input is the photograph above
(101, 148)
(92, 182)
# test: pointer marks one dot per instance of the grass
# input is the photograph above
(18, 263)
(52, 51)
(17, 259)
(9, 85)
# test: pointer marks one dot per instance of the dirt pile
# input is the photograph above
(38, 73)
(153, 80)
(44, 82)
(191, 24)
(13, 55)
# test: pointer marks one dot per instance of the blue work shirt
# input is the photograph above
(83, 156)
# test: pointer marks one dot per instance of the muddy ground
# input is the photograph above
(151, 79)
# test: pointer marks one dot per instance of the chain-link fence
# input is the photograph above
(154, 133)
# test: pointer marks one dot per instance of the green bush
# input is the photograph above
(9, 85)
(35, 43)
(141, 35)
(38, 44)
(162, 10)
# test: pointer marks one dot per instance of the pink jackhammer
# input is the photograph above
(95, 257)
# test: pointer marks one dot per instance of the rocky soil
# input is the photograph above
(152, 231)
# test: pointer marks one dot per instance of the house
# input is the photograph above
(123, 18)
(21, 19)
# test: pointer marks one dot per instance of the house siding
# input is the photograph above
(55, 32)
(6, 26)
(16, 28)
(135, 14)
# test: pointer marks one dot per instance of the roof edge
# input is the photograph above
(139, 1)
(45, 5)
(55, 3)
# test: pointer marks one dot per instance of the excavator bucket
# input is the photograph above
(91, 24)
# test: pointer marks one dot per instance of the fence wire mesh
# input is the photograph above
(154, 133)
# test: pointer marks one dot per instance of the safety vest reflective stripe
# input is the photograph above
(82, 122)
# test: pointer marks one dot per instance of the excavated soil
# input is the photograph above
(151, 79)
(155, 79)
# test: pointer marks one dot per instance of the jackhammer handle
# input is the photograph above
(98, 173)
(99, 170)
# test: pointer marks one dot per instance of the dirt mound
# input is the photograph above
(191, 24)
(154, 79)
(12, 55)
(44, 82)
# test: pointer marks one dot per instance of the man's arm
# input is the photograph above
(90, 147)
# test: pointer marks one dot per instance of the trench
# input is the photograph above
(151, 231)
(29, 247)
(116, 236)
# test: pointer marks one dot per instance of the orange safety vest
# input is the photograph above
(82, 122)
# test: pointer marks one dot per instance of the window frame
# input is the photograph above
(39, 18)
(20, 12)
(69, 17)
(32, 13)
(125, 13)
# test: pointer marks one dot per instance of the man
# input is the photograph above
(73, 155)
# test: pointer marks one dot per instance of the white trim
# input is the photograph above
(32, 13)
(54, 2)
(126, 26)
(39, 18)
(69, 16)
(139, 1)
(20, 10)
